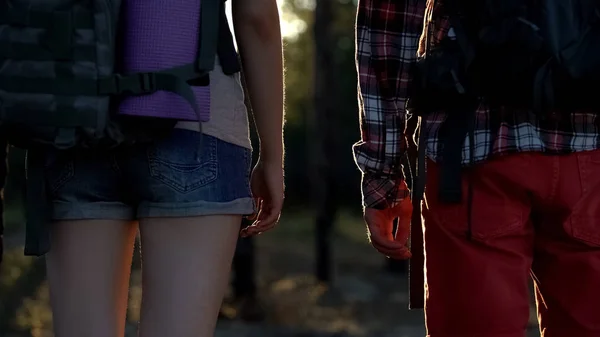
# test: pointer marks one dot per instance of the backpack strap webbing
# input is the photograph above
(452, 135)
(214, 39)
(228, 56)
(209, 35)
(136, 84)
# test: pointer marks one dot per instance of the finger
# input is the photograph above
(383, 239)
(244, 233)
(270, 215)
(389, 249)
(403, 231)
(257, 206)
(403, 211)
(264, 225)
(252, 217)
(380, 226)
(257, 226)
(248, 231)
(257, 229)
(401, 254)
(393, 253)
(259, 209)
(253, 231)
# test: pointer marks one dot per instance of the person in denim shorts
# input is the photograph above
(187, 204)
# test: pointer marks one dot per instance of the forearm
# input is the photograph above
(379, 157)
(383, 142)
(384, 74)
(258, 34)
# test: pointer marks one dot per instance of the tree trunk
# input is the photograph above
(323, 138)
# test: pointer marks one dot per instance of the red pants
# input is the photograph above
(532, 214)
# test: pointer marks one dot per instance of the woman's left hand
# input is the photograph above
(268, 187)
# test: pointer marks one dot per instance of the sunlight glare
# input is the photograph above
(291, 25)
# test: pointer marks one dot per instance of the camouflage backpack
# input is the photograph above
(64, 73)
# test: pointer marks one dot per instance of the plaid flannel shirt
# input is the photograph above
(387, 44)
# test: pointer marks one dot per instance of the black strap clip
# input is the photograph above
(136, 84)
(147, 82)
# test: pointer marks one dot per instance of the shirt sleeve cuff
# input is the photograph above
(382, 192)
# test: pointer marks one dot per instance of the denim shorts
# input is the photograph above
(174, 177)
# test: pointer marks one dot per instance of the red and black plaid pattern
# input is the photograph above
(387, 43)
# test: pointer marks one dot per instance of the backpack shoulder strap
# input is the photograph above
(208, 41)
(209, 35)
(228, 56)
(176, 79)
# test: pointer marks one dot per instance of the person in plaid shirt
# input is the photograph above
(535, 194)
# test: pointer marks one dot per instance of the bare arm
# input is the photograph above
(258, 33)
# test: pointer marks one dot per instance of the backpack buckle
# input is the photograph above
(136, 84)
(147, 82)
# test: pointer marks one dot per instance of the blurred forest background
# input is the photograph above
(315, 275)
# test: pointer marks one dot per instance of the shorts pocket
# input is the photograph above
(59, 169)
(182, 162)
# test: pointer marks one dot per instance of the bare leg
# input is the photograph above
(185, 271)
(88, 273)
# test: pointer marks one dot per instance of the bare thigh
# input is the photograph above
(88, 273)
(185, 270)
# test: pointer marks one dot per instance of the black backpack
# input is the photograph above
(60, 76)
(60, 83)
(534, 54)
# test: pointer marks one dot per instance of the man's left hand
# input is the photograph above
(380, 225)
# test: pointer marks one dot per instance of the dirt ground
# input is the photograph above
(363, 300)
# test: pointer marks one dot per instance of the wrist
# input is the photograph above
(271, 154)
(382, 191)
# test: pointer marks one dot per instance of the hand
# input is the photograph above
(268, 190)
(380, 226)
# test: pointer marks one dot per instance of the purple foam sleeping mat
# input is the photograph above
(158, 35)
